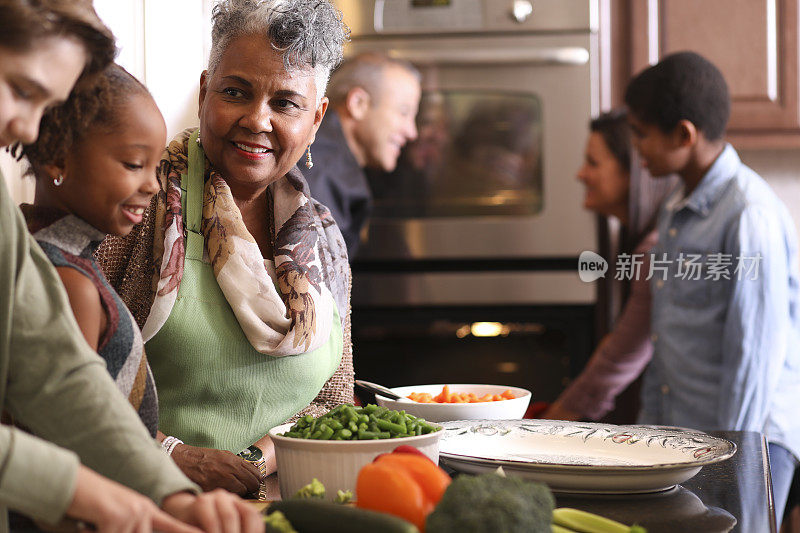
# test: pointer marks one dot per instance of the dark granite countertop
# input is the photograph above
(734, 495)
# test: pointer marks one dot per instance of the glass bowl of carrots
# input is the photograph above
(446, 402)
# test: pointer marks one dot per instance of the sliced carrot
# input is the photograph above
(447, 396)
(442, 396)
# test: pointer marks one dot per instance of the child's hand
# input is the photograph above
(213, 469)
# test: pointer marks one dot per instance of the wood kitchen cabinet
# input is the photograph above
(753, 42)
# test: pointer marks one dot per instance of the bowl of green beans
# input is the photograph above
(334, 446)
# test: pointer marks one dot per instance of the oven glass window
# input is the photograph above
(478, 153)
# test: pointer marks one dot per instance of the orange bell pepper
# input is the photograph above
(402, 484)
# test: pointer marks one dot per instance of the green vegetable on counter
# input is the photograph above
(570, 520)
(277, 523)
(489, 502)
(314, 490)
(346, 422)
(343, 496)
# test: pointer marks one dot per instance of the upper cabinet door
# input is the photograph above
(753, 42)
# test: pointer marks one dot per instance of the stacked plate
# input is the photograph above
(582, 457)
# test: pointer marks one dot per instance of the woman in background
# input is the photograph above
(617, 187)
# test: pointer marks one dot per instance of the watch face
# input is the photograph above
(251, 454)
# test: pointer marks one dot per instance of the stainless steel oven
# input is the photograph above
(468, 270)
(507, 97)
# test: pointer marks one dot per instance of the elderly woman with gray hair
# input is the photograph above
(240, 280)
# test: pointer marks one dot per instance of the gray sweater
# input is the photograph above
(54, 384)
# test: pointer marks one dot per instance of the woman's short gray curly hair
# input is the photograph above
(309, 33)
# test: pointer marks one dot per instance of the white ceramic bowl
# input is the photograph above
(335, 463)
(445, 412)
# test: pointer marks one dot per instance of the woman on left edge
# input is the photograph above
(50, 380)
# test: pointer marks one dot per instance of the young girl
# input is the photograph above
(95, 163)
(95, 167)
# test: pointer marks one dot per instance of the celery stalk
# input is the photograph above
(585, 522)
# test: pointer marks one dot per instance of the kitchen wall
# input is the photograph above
(781, 169)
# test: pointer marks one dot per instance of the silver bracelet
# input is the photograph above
(169, 444)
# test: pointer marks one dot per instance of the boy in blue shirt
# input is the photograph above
(724, 274)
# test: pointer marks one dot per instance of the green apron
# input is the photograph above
(214, 389)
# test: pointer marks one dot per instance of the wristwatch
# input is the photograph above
(253, 454)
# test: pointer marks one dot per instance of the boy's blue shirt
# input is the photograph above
(726, 353)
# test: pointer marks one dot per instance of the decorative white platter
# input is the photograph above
(581, 457)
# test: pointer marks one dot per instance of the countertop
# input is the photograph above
(734, 495)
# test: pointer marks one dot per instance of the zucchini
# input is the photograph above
(315, 516)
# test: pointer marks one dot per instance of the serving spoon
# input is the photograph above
(378, 389)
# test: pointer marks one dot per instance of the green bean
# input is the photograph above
(346, 422)
(334, 424)
(391, 426)
(364, 434)
(427, 428)
(343, 433)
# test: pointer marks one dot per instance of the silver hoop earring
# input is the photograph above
(58, 180)
(309, 162)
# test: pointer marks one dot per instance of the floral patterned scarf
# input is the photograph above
(284, 304)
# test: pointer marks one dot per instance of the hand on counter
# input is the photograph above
(114, 508)
(217, 511)
(212, 469)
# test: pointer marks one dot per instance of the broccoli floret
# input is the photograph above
(492, 503)
(276, 522)
(343, 496)
(315, 489)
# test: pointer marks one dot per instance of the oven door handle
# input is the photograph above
(563, 55)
